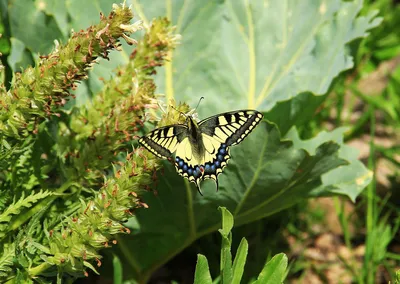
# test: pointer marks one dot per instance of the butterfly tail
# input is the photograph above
(197, 182)
(216, 183)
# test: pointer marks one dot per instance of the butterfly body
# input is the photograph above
(201, 150)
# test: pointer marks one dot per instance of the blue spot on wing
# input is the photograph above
(210, 169)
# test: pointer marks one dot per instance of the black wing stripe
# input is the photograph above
(160, 140)
(223, 130)
(237, 117)
(169, 142)
(231, 128)
(165, 131)
(228, 118)
(155, 148)
(245, 129)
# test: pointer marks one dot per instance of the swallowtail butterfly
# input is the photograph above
(200, 150)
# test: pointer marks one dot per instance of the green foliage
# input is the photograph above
(80, 151)
(16, 207)
(7, 261)
(372, 89)
(202, 273)
(383, 44)
(65, 191)
(235, 52)
(273, 272)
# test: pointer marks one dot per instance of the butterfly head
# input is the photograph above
(191, 118)
(191, 122)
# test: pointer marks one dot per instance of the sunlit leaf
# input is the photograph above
(202, 274)
(274, 270)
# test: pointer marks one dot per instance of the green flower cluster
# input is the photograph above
(69, 178)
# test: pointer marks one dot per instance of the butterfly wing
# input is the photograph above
(164, 141)
(231, 127)
(221, 131)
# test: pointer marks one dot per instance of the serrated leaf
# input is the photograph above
(7, 259)
(23, 202)
(274, 271)
(348, 179)
(40, 247)
(202, 274)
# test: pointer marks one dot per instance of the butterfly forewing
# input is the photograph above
(164, 141)
(231, 127)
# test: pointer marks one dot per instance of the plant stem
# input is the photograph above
(39, 269)
(369, 269)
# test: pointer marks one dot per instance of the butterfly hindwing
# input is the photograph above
(197, 170)
(164, 141)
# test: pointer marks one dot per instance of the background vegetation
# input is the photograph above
(72, 174)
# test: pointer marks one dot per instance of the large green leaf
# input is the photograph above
(264, 176)
(252, 54)
(31, 25)
(350, 179)
(19, 57)
(256, 53)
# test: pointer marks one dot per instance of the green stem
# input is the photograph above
(39, 269)
(369, 269)
(359, 125)
(339, 206)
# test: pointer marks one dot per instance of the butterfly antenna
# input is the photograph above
(198, 103)
(179, 111)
